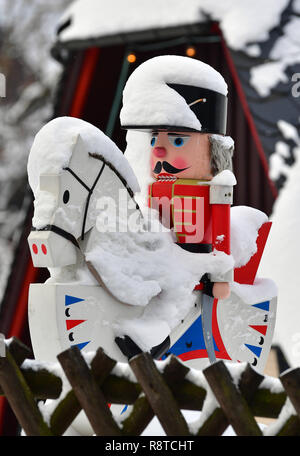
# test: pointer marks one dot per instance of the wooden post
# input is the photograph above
(42, 383)
(267, 403)
(65, 413)
(290, 428)
(69, 407)
(142, 413)
(249, 382)
(188, 395)
(290, 380)
(102, 365)
(139, 418)
(217, 422)
(20, 398)
(88, 393)
(231, 401)
(159, 395)
(18, 350)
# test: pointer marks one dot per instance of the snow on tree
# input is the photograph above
(27, 30)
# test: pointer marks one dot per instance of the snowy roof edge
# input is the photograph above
(135, 37)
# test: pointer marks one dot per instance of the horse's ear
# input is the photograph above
(79, 154)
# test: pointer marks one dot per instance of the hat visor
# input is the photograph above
(149, 128)
(173, 128)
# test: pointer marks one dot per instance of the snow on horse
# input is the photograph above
(71, 167)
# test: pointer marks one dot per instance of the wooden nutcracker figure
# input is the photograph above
(182, 103)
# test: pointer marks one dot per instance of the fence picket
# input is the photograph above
(231, 401)
(291, 381)
(20, 397)
(88, 392)
(159, 395)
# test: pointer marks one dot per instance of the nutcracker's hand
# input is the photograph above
(221, 290)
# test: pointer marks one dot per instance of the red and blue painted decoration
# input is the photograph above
(262, 329)
(191, 344)
(70, 324)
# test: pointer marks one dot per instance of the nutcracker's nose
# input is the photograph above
(159, 152)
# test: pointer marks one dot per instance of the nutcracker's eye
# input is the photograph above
(178, 141)
(66, 196)
(153, 141)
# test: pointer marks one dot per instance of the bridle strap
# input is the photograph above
(55, 229)
(60, 232)
(88, 200)
(89, 190)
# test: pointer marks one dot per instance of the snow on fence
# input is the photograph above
(226, 394)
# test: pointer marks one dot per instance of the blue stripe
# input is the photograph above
(124, 409)
(254, 349)
(263, 305)
(71, 300)
(81, 345)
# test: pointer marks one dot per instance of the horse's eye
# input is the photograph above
(66, 196)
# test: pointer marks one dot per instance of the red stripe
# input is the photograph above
(18, 322)
(222, 353)
(194, 354)
(72, 323)
(191, 190)
(84, 82)
(246, 274)
(262, 329)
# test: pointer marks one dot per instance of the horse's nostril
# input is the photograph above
(44, 249)
(34, 248)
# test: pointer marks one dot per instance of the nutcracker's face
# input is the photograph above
(185, 155)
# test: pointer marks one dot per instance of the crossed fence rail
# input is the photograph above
(161, 388)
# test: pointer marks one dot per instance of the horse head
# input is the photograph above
(66, 187)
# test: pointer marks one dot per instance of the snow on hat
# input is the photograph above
(175, 92)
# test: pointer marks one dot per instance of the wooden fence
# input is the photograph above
(161, 388)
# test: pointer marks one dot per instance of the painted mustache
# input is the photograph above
(167, 167)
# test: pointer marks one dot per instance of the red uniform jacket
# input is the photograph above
(198, 212)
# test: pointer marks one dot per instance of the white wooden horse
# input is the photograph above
(71, 308)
